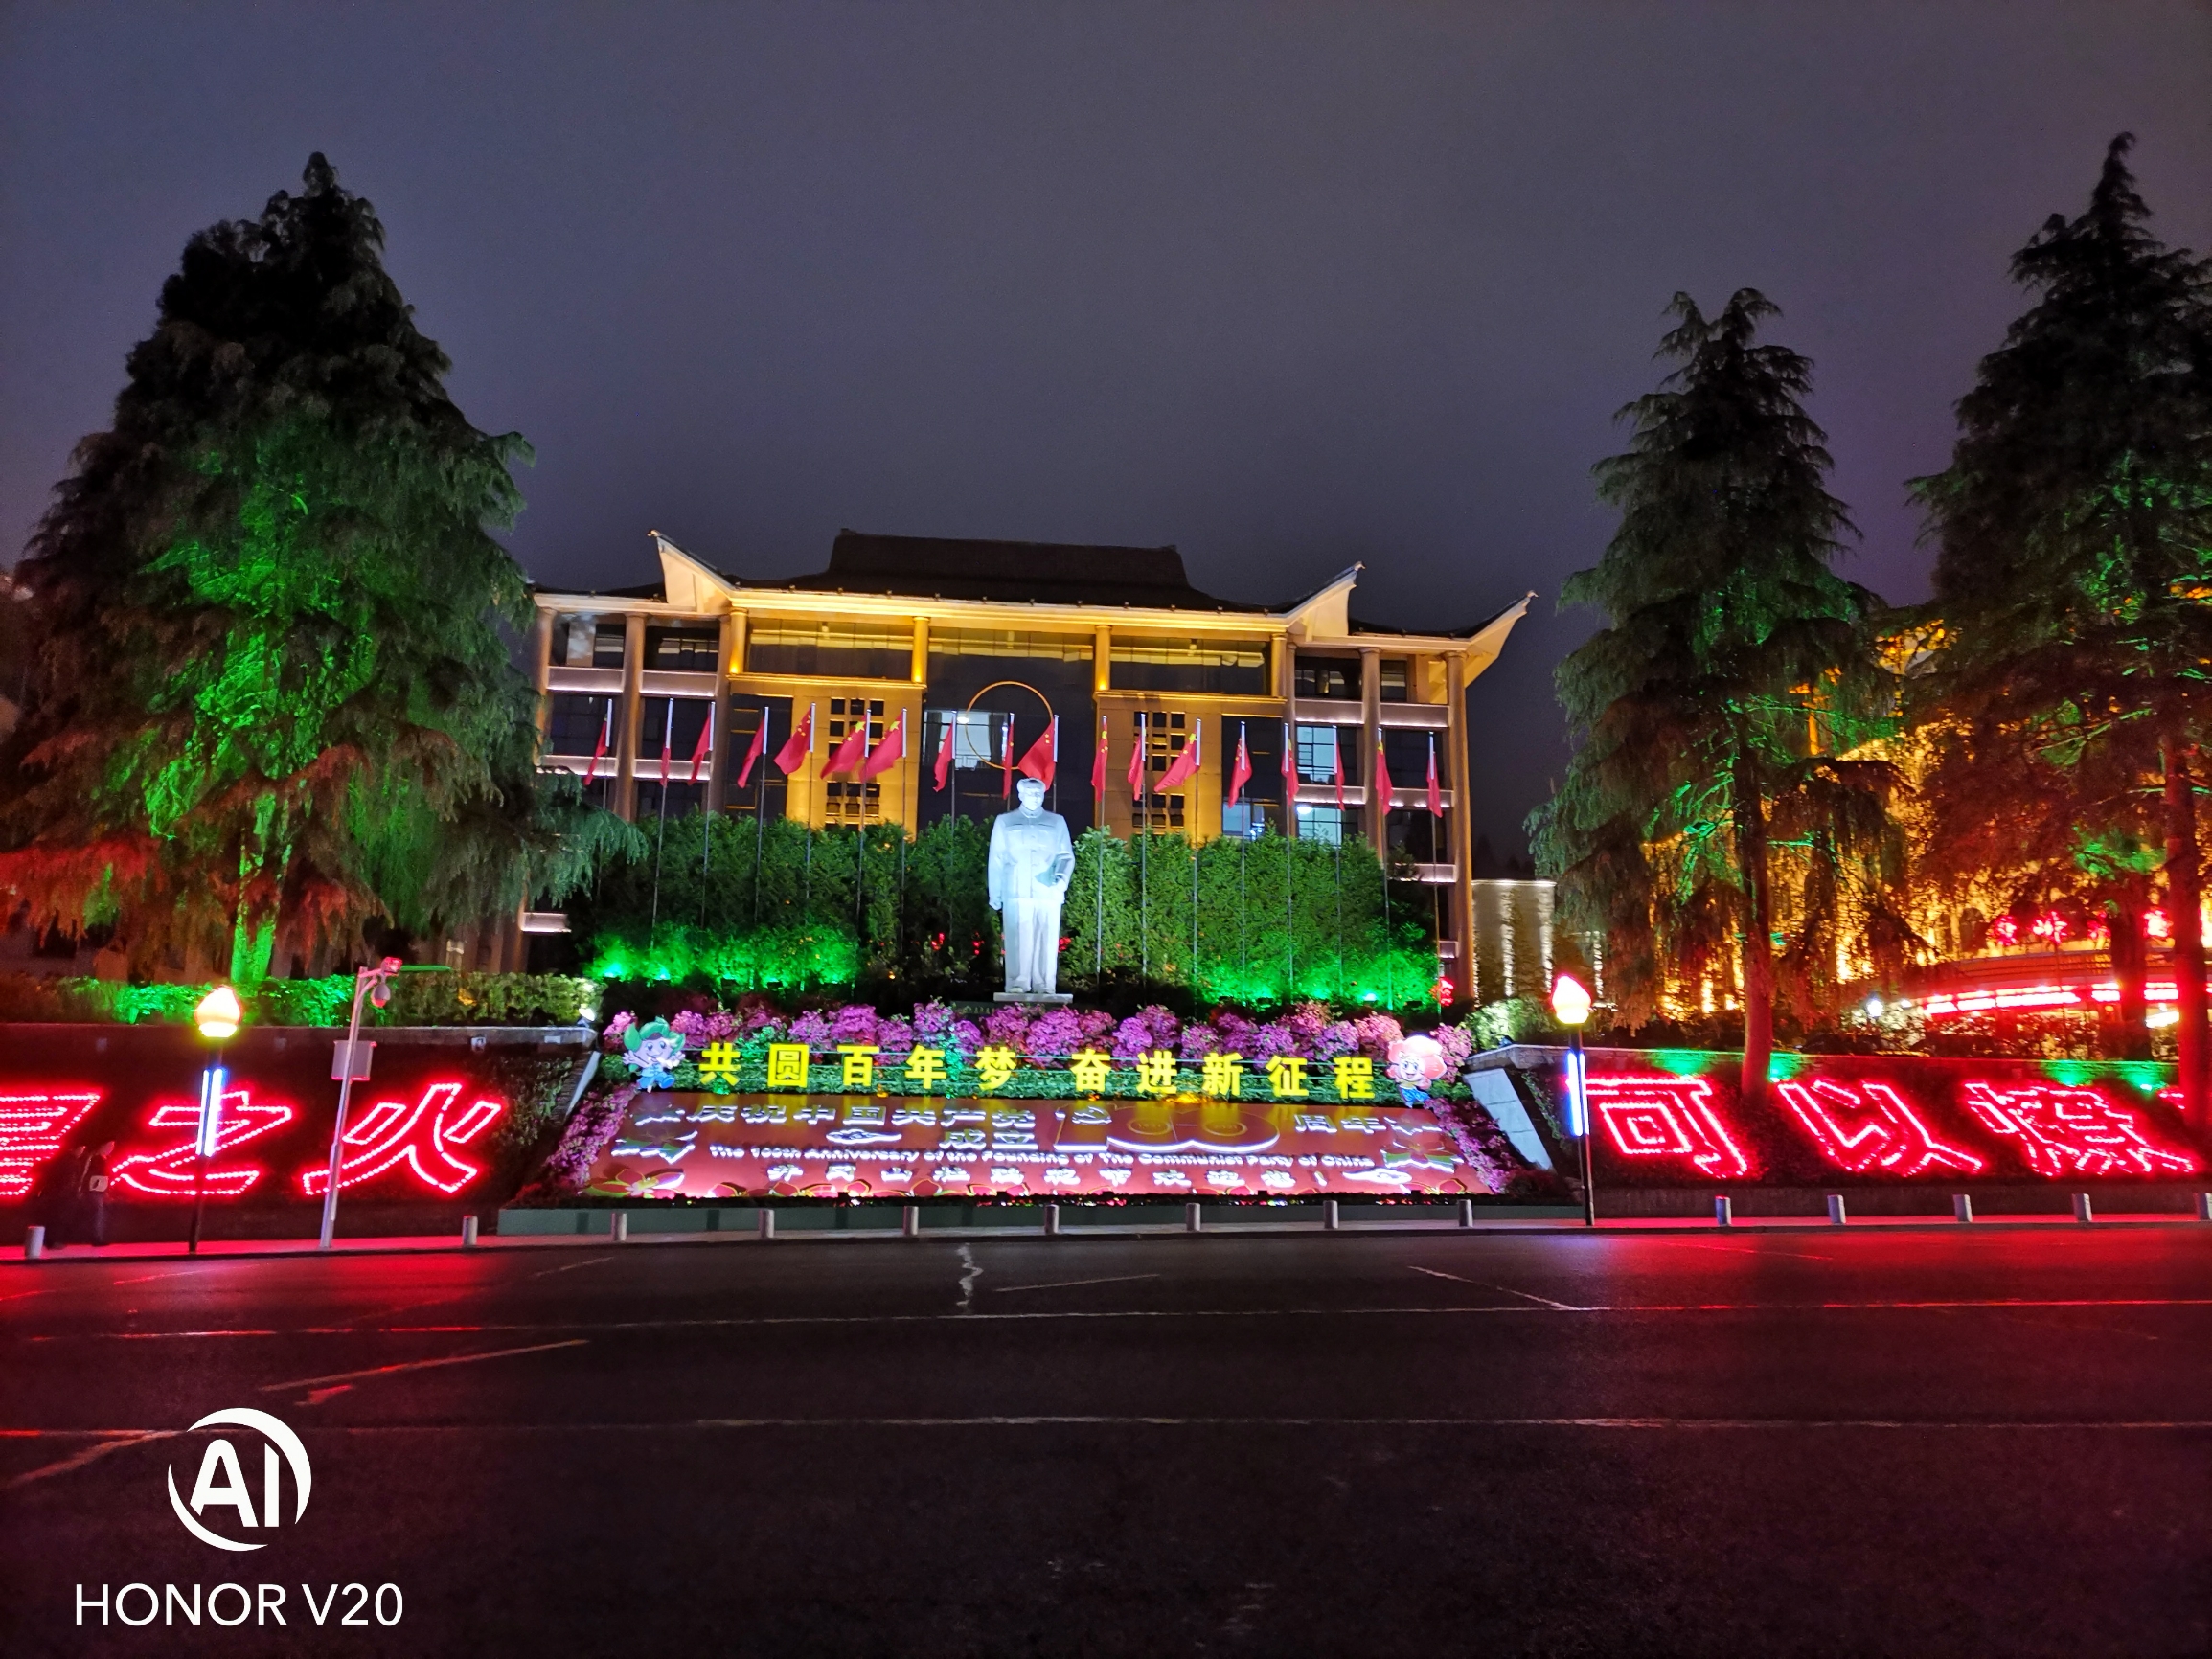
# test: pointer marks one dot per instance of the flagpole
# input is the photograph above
(759, 820)
(706, 815)
(1144, 763)
(668, 731)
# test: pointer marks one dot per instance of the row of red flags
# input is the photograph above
(1041, 761)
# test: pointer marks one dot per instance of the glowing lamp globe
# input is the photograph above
(218, 1014)
(1570, 1002)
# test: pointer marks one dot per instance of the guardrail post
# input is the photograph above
(2205, 1206)
(1052, 1221)
(619, 1228)
(1191, 1220)
(1331, 1220)
(467, 1232)
(911, 1221)
(1723, 1211)
(2083, 1211)
(1962, 1208)
(34, 1244)
(767, 1224)
(1835, 1216)
(1466, 1211)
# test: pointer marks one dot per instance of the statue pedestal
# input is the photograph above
(1034, 996)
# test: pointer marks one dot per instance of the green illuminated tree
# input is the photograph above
(272, 697)
(2074, 523)
(1716, 712)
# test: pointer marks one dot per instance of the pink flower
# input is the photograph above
(811, 1029)
(1271, 1040)
(612, 1039)
(1377, 1033)
(1166, 1027)
(894, 1037)
(854, 1023)
(1307, 1021)
(1098, 1025)
(932, 1020)
(966, 1036)
(1337, 1037)
(1059, 1034)
(1132, 1038)
(1457, 1046)
(1199, 1041)
(1008, 1025)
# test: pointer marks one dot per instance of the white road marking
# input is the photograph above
(117, 1441)
(1504, 1291)
(420, 1365)
(970, 1273)
(1071, 1283)
(572, 1266)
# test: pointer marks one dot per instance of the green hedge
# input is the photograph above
(776, 907)
(423, 996)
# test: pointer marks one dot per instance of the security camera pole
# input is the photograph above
(375, 984)
(1571, 1008)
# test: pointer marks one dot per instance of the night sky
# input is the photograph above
(1285, 285)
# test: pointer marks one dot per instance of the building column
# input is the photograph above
(1377, 811)
(541, 671)
(1462, 828)
(729, 653)
(633, 712)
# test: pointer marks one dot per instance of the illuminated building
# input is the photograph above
(986, 642)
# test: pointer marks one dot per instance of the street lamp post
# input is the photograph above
(375, 984)
(218, 1017)
(1571, 1008)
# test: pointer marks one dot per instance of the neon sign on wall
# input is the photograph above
(33, 1128)
(2073, 1131)
(1667, 1117)
(1866, 1127)
(174, 1173)
(422, 1136)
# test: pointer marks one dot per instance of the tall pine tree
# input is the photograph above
(2074, 524)
(1711, 709)
(272, 697)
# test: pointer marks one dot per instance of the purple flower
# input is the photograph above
(1132, 1038)
(1337, 1037)
(1057, 1034)
(932, 1020)
(811, 1029)
(1198, 1041)
(1268, 1041)
(1307, 1021)
(1166, 1027)
(1235, 1032)
(689, 1025)
(894, 1037)
(1008, 1025)
(1377, 1033)
(854, 1023)
(965, 1036)
(612, 1039)
(1098, 1025)
(1457, 1047)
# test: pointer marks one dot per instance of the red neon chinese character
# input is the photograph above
(423, 1136)
(1655, 1117)
(169, 1173)
(33, 1128)
(2068, 1131)
(1863, 1127)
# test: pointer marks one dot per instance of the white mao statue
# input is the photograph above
(1030, 859)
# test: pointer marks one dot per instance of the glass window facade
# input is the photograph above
(1164, 663)
(950, 642)
(860, 650)
(578, 722)
(1323, 824)
(1392, 677)
(582, 641)
(1334, 677)
(692, 648)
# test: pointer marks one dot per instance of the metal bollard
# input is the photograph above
(2205, 1206)
(767, 1225)
(1191, 1220)
(1723, 1211)
(1052, 1221)
(2083, 1212)
(619, 1228)
(34, 1244)
(1836, 1217)
(1962, 1208)
(1330, 1220)
(467, 1232)
(910, 1222)
(1466, 1211)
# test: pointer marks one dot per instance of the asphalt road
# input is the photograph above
(1771, 1443)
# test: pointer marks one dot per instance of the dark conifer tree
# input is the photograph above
(1711, 709)
(2074, 524)
(272, 694)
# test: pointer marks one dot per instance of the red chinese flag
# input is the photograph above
(1137, 761)
(888, 752)
(1181, 768)
(1006, 762)
(1043, 757)
(605, 737)
(1382, 784)
(753, 754)
(1290, 765)
(668, 735)
(798, 746)
(945, 754)
(848, 753)
(1435, 794)
(1336, 752)
(1098, 761)
(1241, 768)
(705, 743)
